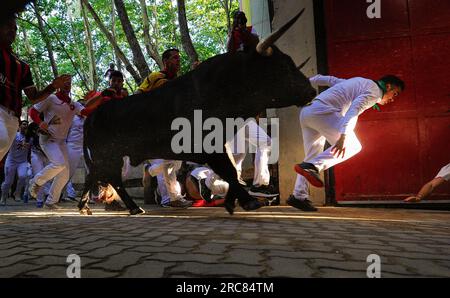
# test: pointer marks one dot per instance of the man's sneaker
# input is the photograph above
(310, 172)
(52, 206)
(3, 201)
(39, 204)
(304, 205)
(263, 191)
(181, 203)
(114, 206)
(204, 191)
(33, 189)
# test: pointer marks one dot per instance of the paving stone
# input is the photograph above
(5, 254)
(14, 260)
(167, 238)
(185, 243)
(106, 251)
(336, 273)
(18, 270)
(216, 270)
(49, 260)
(304, 254)
(120, 261)
(165, 249)
(186, 257)
(147, 269)
(244, 256)
(49, 272)
(286, 267)
(96, 273)
(423, 267)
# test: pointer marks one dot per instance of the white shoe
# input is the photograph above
(52, 206)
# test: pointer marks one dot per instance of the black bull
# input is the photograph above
(225, 86)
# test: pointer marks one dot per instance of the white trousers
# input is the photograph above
(11, 168)
(258, 138)
(38, 162)
(57, 169)
(316, 129)
(166, 173)
(8, 128)
(75, 152)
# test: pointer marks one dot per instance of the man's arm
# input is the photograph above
(36, 96)
(426, 190)
(329, 81)
(359, 105)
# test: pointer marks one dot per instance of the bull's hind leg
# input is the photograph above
(222, 166)
(125, 197)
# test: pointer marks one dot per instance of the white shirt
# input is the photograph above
(60, 112)
(18, 153)
(349, 97)
(75, 135)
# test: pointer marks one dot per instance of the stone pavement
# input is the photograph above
(206, 242)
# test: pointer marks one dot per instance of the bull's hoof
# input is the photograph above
(137, 211)
(251, 205)
(229, 206)
(85, 211)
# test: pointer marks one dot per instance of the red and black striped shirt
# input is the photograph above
(15, 75)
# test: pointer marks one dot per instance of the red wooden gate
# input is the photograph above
(406, 143)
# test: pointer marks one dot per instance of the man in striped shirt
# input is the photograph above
(15, 76)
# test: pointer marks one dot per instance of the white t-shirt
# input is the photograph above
(58, 114)
(348, 97)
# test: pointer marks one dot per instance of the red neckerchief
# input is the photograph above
(64, 97)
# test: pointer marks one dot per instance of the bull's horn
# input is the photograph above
(303, 64)
(263, 46)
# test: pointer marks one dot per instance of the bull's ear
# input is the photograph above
(304, 63)
(263, 47)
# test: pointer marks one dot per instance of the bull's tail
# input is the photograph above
(86, 151)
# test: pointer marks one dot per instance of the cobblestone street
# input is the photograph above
(206, 242)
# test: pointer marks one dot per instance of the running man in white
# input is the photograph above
(58, 111)
(16, 162)
(426, 190)
(332, 117)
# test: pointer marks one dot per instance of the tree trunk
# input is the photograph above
(184, 30)
(78, 52)
(151, 48)
(113, 42)
(48, 45)
(227, 5)
(173, 14)
(34, 68)
(93, 80)
(113, 32)
(138, 56)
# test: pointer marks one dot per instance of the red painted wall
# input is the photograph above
(405, 144)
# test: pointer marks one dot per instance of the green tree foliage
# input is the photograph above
(207, 22)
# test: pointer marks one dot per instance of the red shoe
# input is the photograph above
(310, 172)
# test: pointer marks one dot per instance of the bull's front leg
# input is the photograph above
(125, 197)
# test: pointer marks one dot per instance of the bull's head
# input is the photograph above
(286, 84)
